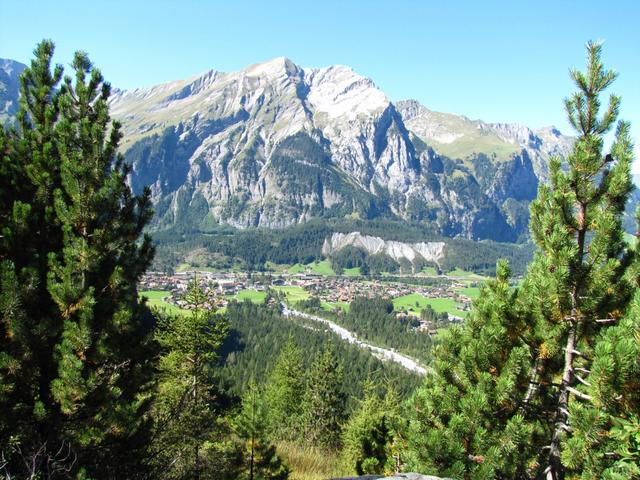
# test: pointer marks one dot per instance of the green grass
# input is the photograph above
(156, 299)
(252, 295)
(414, 303)
(311, 463)
(187, 267)
(320, 268)
(429, 271)
(352, 272)
(470, 292)
(463, 274)
(297, 268)
(330, 306)
(293, 293)
(276, 267)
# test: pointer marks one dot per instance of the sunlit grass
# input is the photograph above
(310, 463)
(414, 303)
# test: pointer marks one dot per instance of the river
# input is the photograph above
(405, 361)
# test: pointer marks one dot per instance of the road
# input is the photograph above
(405, 361)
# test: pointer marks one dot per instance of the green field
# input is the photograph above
(293, 293)
(429, 271)
(252, 295)
(186, 267)
(330, 306)
(156, 298)
(464, 274)
(321, 268)
(352, 272)
(470, 292)
(415, 302)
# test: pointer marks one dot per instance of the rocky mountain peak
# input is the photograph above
(275, 144)
(277, 67)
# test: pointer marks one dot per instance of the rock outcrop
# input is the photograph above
(429, 251)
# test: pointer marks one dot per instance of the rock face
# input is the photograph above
(9, 88)
(430, 251)
(276, 144)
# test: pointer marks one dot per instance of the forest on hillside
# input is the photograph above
(540, 380)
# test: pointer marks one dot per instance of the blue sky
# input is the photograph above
(495, 60)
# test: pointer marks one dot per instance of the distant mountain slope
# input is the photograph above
(458, 137)
(9, 88)
(276, 144)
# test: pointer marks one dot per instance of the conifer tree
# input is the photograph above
(541, 381)
(467, 420)
(284, 390)
(578, 284)
(324, 402)
(185, 410)
(251, 426)
(75, 352)
(371, 433)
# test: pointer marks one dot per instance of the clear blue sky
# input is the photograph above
(495, 60)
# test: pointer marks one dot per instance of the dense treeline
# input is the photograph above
(252, 248)
(374, 320)
(258, 332)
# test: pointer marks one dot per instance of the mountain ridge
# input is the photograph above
(276, 144)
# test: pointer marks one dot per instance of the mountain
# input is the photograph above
(276, 144)
(456, 136)
(9, 88)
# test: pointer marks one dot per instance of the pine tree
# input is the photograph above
(324, 402)
(541, 381)
(371, 433)
(283, 390)
(577, 282)
(75, 361)
(467, 420)
(251, 426)
(185, 410)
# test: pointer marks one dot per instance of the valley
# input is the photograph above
(315, 293)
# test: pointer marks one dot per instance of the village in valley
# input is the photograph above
(441, 293)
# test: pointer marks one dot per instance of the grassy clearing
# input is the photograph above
(459, 273)
(320, 268)
(297, 268)
(352, 272)
(330, 306)
(429, 271)
(293, 293)
(253, 295)
(470, 292)
(309, 463)
(414, 303)
(187, 267)
(156, 299)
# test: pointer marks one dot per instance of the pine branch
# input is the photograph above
(580, 369)
(579, 394)
(606, 320)
(581, 380)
